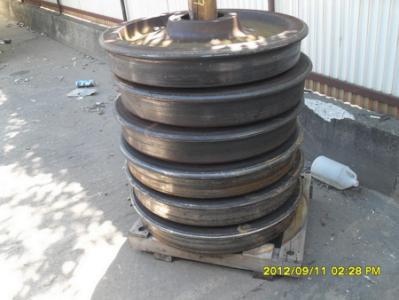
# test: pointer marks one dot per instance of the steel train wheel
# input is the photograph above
(219, 212)
(240, 46)
(209, 111)
(216, 180)
(217, 240)
(206, 145)
(218, 107)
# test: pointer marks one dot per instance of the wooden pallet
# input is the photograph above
(287, 250)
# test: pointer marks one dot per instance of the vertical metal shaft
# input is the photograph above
(272, 5)
(203, 9)
(123, 7)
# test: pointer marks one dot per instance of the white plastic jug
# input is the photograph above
(333, 173)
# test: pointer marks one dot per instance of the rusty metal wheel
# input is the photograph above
(208, 108)
(239, 46)
(219, 212)
(206, 145)
(215, 180)
(218, 107)
(217, 240)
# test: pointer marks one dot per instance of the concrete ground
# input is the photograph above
(64, 214)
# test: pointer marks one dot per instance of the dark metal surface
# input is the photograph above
(218, 240)
(218, 107)
(205, 145)
(123, 8)
(219, 212)
(216, 180)
(202, 10)
(212, 170)
(181, 28)
(271, 5)
(265, 44)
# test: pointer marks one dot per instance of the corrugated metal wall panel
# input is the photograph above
(110, 8)
(176, 5)
(355, 41)
(139, 8)
(248, 4)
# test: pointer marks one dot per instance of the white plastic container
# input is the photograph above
(333, 173)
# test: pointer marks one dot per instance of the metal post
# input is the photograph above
(203, 9)
(123, 8)
(272, 4)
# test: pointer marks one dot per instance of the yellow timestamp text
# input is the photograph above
(339, 271)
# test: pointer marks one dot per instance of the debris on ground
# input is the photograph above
(80, 93)
(84, 87)
(375, 117)
(369, 279)
(333, 173)
(20, 73)
(22, 80)
(385, 118)
(60, 78)
(98, 107)
(4, 42)
(111, 98)
(85, 83)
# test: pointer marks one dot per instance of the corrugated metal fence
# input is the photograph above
(110, 8)
(139, 8)
(354, 41)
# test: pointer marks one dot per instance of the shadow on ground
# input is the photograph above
(63, 208)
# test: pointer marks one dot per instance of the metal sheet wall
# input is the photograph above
(355, 41)
(139, 8)
(109, 8)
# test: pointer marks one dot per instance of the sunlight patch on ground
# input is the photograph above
(13, 127)
(3, 98)
(8, 148)
(51, 238)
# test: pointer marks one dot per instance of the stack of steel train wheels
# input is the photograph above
(208, 111)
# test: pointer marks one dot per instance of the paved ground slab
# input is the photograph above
(64, 214)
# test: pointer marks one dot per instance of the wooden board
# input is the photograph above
(289, 253)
